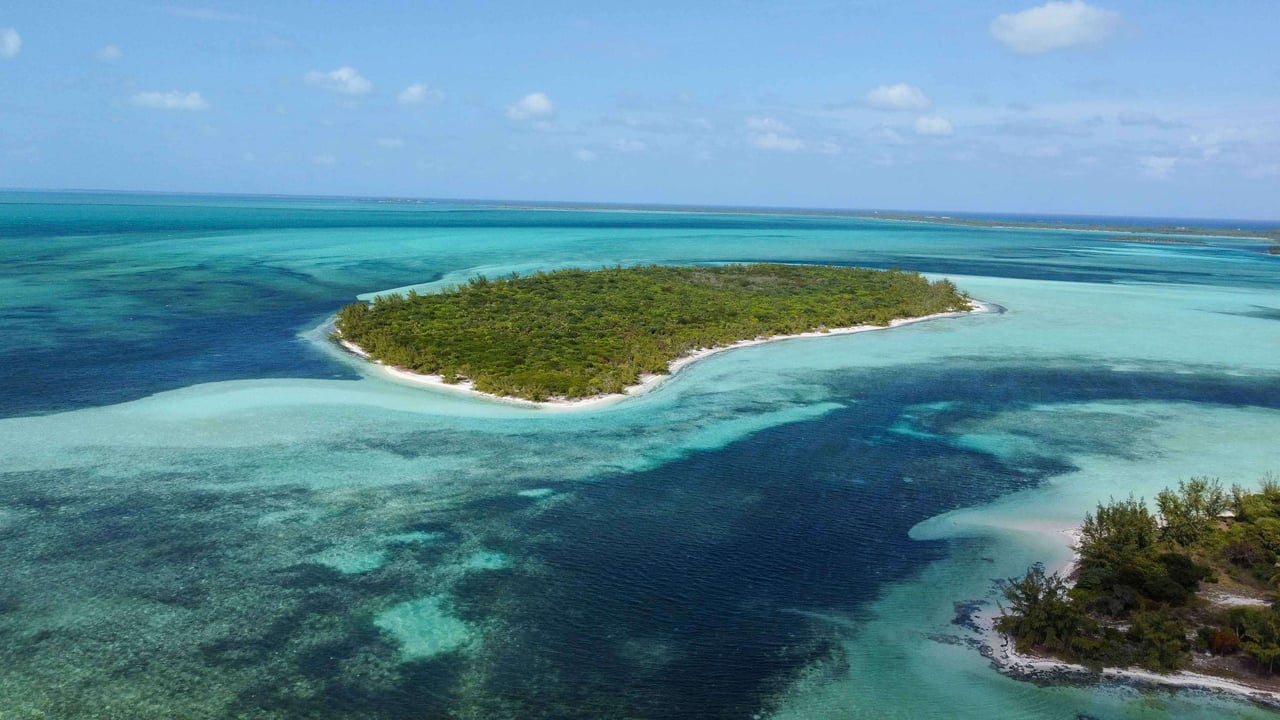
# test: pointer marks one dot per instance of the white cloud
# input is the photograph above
(830, 148)
(774, 141)
(324, 159)
(933, 125)
(898, 97)
(419, 93)
(390, 143)
(585, 155)
(531, 106)
(1157, 167)
(10, 43)
(346, 80)
(628, 146)
(109, 54)
(172, 100)
(1054, 25)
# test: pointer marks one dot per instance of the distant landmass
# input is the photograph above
(1116, 225)
(1137, 226)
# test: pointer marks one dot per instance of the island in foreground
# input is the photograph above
(1183, 598)
(574, 334)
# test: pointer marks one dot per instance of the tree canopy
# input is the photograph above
(578, 333)
(1135, 598)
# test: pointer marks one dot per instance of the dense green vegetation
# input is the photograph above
(578, 333)
(1135, 599)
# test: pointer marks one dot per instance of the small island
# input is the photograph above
(1185, 597)
(573, 334)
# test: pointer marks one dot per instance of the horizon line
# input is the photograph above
(924, 214)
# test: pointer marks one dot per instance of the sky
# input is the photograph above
(1165, 108)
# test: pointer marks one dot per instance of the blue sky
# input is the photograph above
(1114, 107)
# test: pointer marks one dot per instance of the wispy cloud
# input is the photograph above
(1044, 127)
(1145, 119)
(768, 133)
(208, 14)
(1157, 167)
(627, 145)
(933, 126)
(109, 54)
(172, 100)
(418, 94)
(898, 97)
(885, 135)
(324, 159)
(1053, 26)
(390, 143)
(10, 43)
(767, 125)
(585, 155)
(532, 107)
(774, 141)
(345, 80)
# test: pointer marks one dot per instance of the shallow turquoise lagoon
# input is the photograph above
(208, 511)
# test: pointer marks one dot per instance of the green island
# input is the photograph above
(582, 333)
(1190, 587)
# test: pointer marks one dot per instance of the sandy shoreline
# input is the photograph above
(647, 382)
(1007, 660)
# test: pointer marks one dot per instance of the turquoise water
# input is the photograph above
(209, 512)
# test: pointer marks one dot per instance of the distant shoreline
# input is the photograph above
(1173, 231)
(1266, 234)
(647, 382)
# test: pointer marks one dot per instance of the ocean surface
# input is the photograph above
(207, 511)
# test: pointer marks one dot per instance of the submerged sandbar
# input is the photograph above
(576, 336)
